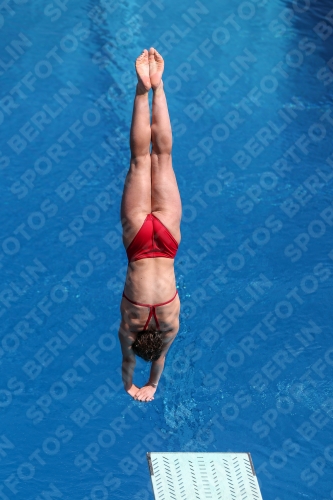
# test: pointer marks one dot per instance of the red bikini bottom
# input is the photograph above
(152, 311)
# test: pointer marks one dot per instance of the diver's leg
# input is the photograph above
(136, 200)
(165, 197)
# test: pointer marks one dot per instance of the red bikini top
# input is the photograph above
(152, 240)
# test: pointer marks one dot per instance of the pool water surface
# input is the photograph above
(249, 88)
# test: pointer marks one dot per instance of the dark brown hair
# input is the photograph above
(148, 344)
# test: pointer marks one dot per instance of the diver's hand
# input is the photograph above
(146, 393)
(132, 391)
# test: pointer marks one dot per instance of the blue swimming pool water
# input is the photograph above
(249, 87)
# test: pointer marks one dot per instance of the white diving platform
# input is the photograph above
(203, 476)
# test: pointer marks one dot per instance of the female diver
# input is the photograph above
(150, 215)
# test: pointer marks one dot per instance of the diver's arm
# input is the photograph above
(127, 370)
(157, 366)
(156, 371)
(128, 361)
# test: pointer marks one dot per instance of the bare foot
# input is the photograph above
(156, 67)
(132, 391)
(146, 393)
(142, 70)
